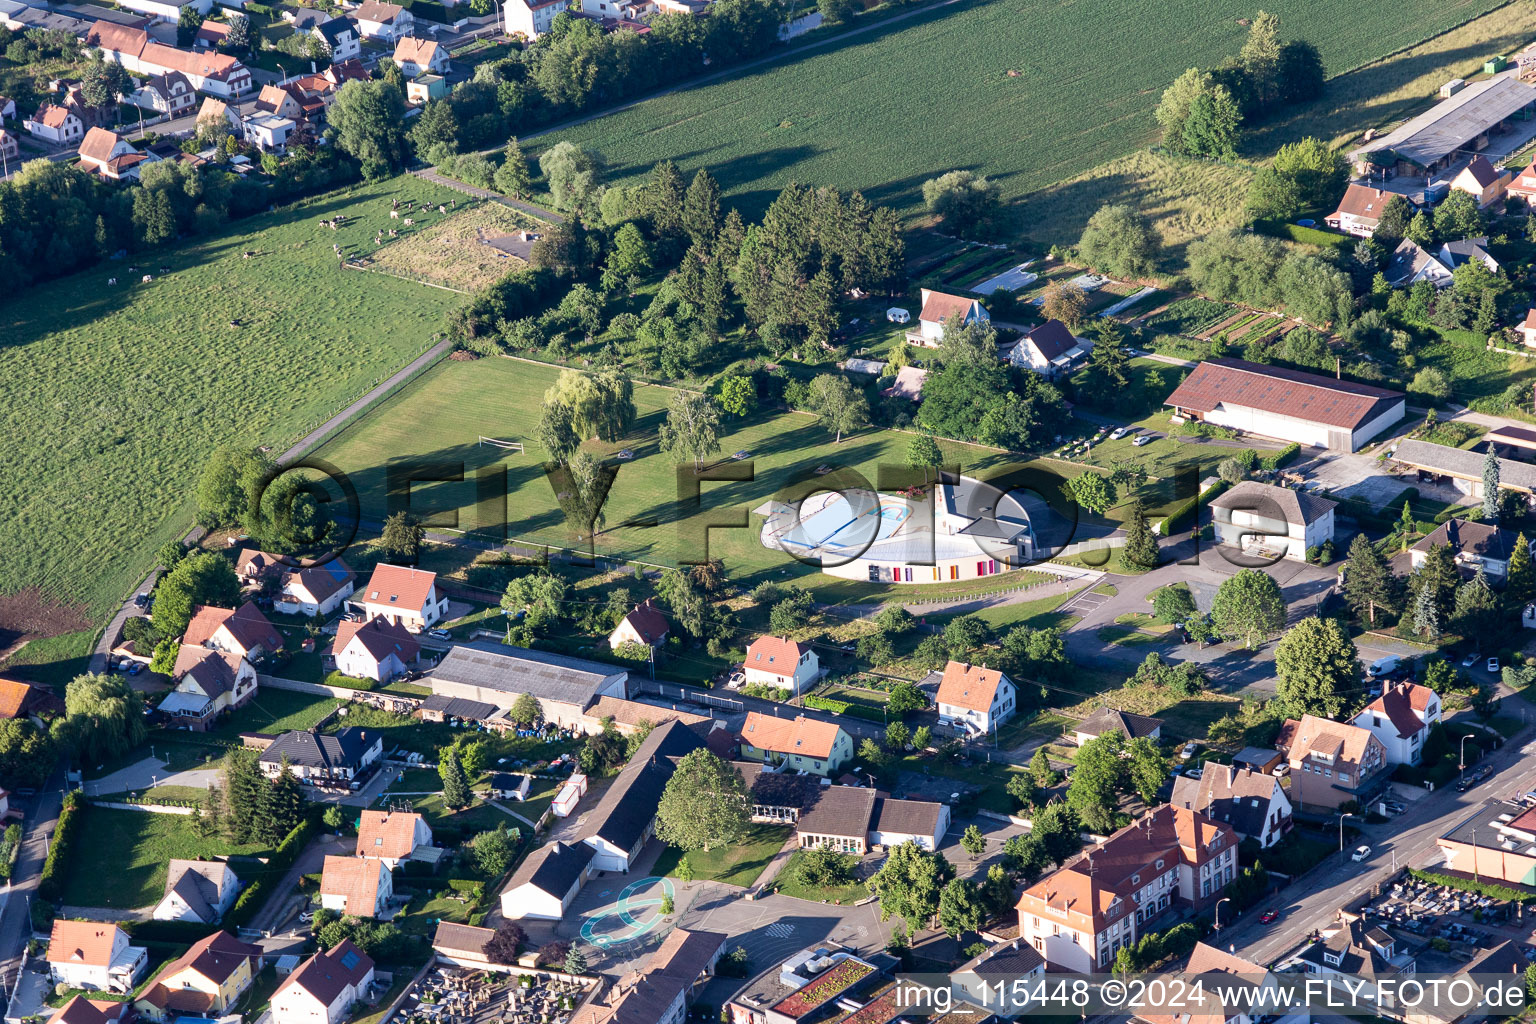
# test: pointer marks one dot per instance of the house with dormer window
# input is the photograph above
(1332, 763)
(404, 596)
(780, 661)
(974, 700)
(1354, 954)
(1400, 718)
(800, 743)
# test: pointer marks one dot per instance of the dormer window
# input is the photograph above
(1333, 959)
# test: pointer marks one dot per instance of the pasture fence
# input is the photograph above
(366, 264)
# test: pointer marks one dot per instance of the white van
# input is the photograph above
(1383, 666)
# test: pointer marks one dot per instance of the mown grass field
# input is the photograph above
(116, 395)
(885, 110)
(449, 251)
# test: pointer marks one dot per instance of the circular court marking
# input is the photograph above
(623, 908)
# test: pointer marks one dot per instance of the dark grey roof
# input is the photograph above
(1459, 462)
(1408, 259)
(553, 868)
(334, 29)
(190, 888)
(905, 817)
(624, 812)
(1464, 249)
(1052, 339)
(517, 670)
(1230, 795)
(777, 789)
(506, 781)
(1108, 720)
(459, 707)
(1017, 958)
(1482, 539)
(342, 749)
(1267, 500)
(839, 811)
(1452, 123)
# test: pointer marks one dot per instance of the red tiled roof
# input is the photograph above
(51, 116)
(356, 878)
(969, 686)
(1399, 704)
(87, 943)
(410, 50)
(776, 654)
(1308, 396)
(397, 586)
(379, 637)
(98, 144)
(940, 306)
(1363, 202)
(800, 735)
(389, 834)
(648, 621)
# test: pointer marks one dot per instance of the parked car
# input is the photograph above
(1188, 751)
(141, 599)
(134, 668)
(1470, 659)
(1142, 439)
(439, 634)
(1269, 916)
(1281, 771)
(1119, 432)
(1493, 665)
(1361, 852)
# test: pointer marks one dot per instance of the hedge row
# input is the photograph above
(347, 682)
(181, 932)
(1280, 458)
(282, 859)
(837, 707)
(50, 884)
(1498, 892)
(1188, 508)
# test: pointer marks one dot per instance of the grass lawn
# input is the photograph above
(846, 114)
(1046, 726)
(122, 861)
(276, 711)
(737, 864)
(423, 913)
(788, 884)
(479, 816)
(54, 660)
(1037, 614)
(164, 794)
(449, 251)
(1191, 719)
(1128, 636)
(107, 462)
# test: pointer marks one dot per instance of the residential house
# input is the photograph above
(209, 71)
(530, 18)
(80, 1010)
(276, 100)
(340, 37)
(1482, 181)
(1474, 546)
(1254, 805)
(939, 307)
(244, 631)
(94, 955)
(388, 22)
(975, 700)
(324, 758)
(214, 112)
(197, 890)
(1359, 211)
(7, 109)
(802, 744)
(838, 819)
(1108, 720)
(26, 700)
(1332, 763)
(168, 10)
(980, 976)
(391, 836)
(170, 94)
(206, 684)
(206, 981)
(10, 146)
(510, 785)
(356, 886)
(1453, 254)
(630, 717)
(346, 71)
(782, 662)
(423, 89)
(1527, 329)
(324, 988)
(1263, 520)
(545, 883)
(645, 625)
(268, 132)
(494, 673)
(1221, 976)
(1080, 915)
(1524, 183)
(1354, 954)
(404, 595)
(1411, 263)
(1400, 718)
(56, 125)
(315, 589)
(253, 567)
(210, 34)
(625, 816)
(377, 649)
(660, 994)
(1049, 349)
(420, 56)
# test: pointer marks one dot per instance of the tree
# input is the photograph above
(1477, 607)
(495, 850)
(102, 82)
(737, 396)
(513, 177)
(909, 883)
(1092, 491)
(283, 806)
(1213, 126)
(244, 796)
(1260, 58)
(1433, 588)
(229, 485)
(401, 537)
(836, 404)
(836, 12)
(1491, 486)
(1119, 241)
(704, 804)
(897, 735)
(1318, 170)
(557, 433)
(922, 736)
(575, 962)
(455, 785)
(205, 579)
(1041, 771)
(961, 908)
(1140, 550)
(1173, 604)
(1457, 216)
(1520, 583)
(187, 25)
(525, 709)
(164, 659)
(701, 208)
(27, 753)
(1065, 302)
(1317, 667)
(1173, 109)
(334, 819)
(1146, 768)
(540, 595)
(570, 173)
(367, 122)
(1248, 606)
(683, 872)
(905, 697)
(1369, 582)
(923, 452)
(1108, 373)
(965, 201)
(238, 39)
(631, 255)
(1430, 384)
(692, 429)
(502, 947)
(1021, 786)
(1096, 779)
(973, 842)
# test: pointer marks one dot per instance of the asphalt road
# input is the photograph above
(42, 814)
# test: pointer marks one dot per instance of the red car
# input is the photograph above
(1269, 916)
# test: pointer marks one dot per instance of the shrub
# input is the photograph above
(349, 682)
(1189, 507)
(50, 883)
(837, 707)
(1275, 460)
(1489, 889)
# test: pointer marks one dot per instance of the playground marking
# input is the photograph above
(622, 909)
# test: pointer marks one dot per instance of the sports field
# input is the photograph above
(1029, 92)
(115, 395)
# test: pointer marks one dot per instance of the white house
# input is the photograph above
(207, 684)
(1107, 720)
(94, 955)
(324, 988)
(167, 10)
(391, 836)
(111, 156)
(317, 589)
(340, 37)
(1048, 349)
(384, 21)
(377, 649)
(1359, 211)
(1254, 804)
(404, 596)
(244, 631)
(55, 124)
(939, 307)
(531, 18)
(546, 882)
(170, 93)
(211, 72)
(780, 661)
(1411, 263)
(323, 758)
(645, 625)
(269, 132)
(1527, 329)
(975, 700)
(356, 886)
(1473, 545)
(1400, 718)
(420, 56)
(894, 822)
(799, 743)
(1263, 520)
(197, 890)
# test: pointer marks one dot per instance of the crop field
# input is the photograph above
(1029, 92)
(450, 251)
(116, 394)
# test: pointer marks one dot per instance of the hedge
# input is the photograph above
(347, 682)
(50, 884)
(837, 707)
(1187, 508)
(181, 932)
(282, 859)
(1280, 458)
(1489, 889)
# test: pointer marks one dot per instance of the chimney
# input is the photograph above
(1386, 687)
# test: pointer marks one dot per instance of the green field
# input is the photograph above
(885, 110)
(118, 394)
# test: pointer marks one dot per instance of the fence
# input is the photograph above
(120, 805)
(367, 266)
(684, 693)
(375, 698)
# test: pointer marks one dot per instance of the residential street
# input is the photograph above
(42, 815)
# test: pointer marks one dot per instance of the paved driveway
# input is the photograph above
(150, 772)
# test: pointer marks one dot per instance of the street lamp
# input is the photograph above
(1224, 899)
(1462, 757)
(1341, 830)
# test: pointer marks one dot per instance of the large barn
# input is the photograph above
(1310, 409)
